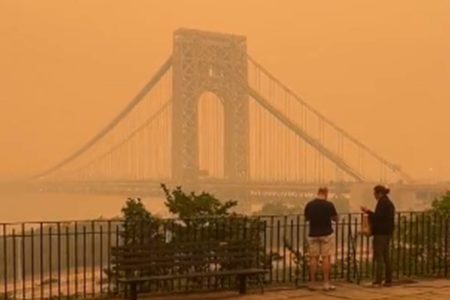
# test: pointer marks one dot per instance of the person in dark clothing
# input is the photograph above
(320, 213)
(382, 225)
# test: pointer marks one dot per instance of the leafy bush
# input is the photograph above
(199, 217)
(441, 205)
(421, 241)
(139, 225)
(189, 206)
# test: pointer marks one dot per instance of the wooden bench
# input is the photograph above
(137, 264)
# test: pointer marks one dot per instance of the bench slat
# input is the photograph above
(187, 259)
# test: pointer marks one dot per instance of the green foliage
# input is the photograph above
(139, 225)
(199, 218)
(205, 217)
(134, 211)
(442, 204)
(191, 205)
(421, 240)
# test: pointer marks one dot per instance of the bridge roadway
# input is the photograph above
(153, 188)
(234, 190)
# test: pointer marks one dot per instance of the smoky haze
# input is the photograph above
(379, 69)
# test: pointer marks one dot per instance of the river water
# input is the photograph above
(21, 206)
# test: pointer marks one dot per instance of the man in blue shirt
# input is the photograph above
(320, 213)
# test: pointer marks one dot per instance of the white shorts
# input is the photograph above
(321, 245)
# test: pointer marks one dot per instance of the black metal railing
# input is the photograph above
(73, 259)
(55, 259)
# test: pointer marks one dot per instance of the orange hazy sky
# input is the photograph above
(380, 69)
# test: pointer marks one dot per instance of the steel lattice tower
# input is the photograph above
(217, 63)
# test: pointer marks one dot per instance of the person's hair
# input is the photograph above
(380, 189)
(322, 191)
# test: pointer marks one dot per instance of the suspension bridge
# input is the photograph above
(213, 118)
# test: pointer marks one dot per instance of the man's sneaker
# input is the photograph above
(328, 287)
(312, 286)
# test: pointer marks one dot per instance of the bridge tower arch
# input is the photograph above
(209, 62)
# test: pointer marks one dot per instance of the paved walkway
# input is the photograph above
(423, 290)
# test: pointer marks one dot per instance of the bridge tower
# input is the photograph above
(216, 63)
